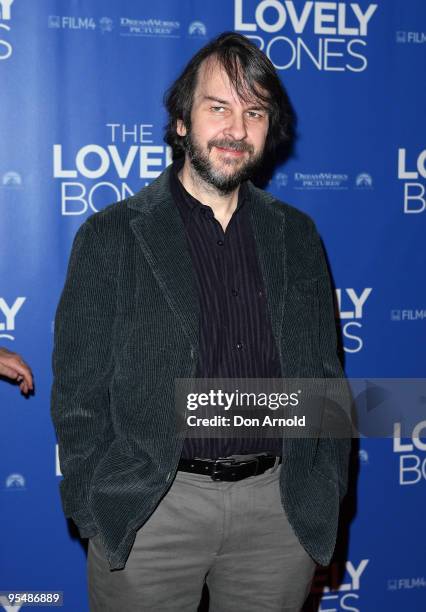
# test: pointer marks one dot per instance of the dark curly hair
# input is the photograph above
(251, 74)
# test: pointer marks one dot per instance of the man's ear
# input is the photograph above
(180, 128)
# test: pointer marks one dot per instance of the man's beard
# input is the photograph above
(224, 182)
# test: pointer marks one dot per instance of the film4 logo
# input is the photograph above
(8, 316)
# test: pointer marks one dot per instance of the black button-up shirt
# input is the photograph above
(235, 333)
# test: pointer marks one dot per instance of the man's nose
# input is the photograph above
(236, 127)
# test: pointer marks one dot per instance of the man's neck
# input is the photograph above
(223, 205)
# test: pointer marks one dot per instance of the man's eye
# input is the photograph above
(254, 114)
(218, 109)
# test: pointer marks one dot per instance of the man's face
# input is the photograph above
(227, 137)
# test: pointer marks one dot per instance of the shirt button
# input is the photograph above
(220, 242)
(235, 292)
(260, 293)
(239, 345)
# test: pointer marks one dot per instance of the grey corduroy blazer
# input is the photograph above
(127, 326)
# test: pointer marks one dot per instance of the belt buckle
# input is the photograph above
(233, 462)
(216, 471)
(253, 460)
(257, 464)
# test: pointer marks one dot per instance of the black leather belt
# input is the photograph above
(229, 469)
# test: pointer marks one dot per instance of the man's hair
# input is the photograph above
(252, 76)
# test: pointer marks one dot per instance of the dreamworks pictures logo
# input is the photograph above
(6, 48)
(336, 33)
(323, 181)
(149, 27)
(320, 180)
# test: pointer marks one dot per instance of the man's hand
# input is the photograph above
(12, 366)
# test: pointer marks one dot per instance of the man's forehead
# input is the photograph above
(211, 68)
(213, 81)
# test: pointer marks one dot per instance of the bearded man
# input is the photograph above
(199, 275)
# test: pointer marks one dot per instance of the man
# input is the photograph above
(14, 367)
(201, 275)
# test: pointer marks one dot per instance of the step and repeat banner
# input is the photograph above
(81, 126)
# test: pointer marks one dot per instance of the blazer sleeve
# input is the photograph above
(82, 369)
(338, 396)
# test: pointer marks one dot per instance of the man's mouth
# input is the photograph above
(230, 151)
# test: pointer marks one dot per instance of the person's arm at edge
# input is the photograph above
(14, 367)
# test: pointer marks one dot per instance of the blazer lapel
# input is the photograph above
(160, 233)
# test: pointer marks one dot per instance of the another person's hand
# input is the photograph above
(12, 366)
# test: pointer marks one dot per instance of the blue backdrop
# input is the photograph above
(81, 125)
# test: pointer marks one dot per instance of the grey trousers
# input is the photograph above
(233, 535)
